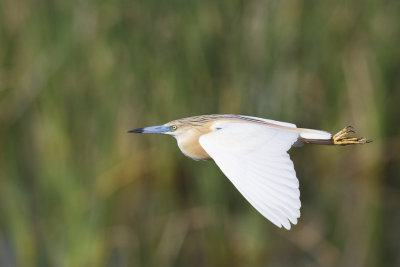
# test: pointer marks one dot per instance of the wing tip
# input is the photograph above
(286, 222)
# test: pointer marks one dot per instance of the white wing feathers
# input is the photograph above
(254, 157)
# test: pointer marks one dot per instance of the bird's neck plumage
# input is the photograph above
(190, 146)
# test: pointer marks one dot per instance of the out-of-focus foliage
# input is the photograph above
(77, 190)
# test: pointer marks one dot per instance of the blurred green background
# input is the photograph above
(77, 190)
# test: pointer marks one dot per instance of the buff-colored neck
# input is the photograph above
(190, 146)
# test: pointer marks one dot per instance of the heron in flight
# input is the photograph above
(252, 153)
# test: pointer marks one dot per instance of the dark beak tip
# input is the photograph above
(135, 131)
(151, 130)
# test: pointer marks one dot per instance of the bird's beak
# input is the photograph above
(154, 129)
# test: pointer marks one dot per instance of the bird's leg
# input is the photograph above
(341, 137)
(344, 132)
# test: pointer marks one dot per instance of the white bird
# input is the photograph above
(252, 153)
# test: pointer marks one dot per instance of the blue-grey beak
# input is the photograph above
(154, 129)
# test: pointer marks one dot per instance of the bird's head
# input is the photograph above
(186, 131)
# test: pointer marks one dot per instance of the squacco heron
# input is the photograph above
(252, 153)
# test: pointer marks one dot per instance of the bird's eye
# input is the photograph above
(174, 127)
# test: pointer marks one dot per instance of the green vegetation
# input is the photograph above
(77, 190)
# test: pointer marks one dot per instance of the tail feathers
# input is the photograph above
(314, 134)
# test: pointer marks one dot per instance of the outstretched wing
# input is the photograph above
(254, 157)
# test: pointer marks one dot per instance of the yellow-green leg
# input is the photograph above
(341, 138)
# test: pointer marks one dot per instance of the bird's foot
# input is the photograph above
(341, 138)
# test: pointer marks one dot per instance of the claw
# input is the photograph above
(364, 140)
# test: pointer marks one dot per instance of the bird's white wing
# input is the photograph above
(254, 157)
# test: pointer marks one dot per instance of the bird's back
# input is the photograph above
(188, 140)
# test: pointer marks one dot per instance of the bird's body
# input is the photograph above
(199, 125)
(252, 153)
